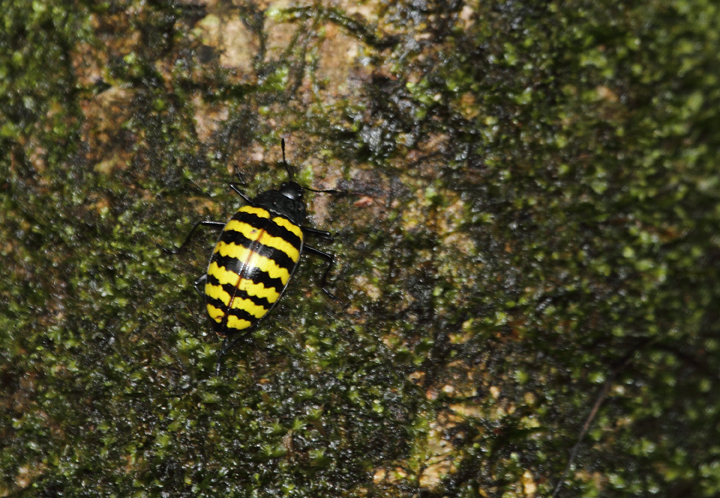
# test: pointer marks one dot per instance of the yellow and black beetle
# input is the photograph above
(255, 258)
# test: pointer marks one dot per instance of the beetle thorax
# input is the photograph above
(287, 201)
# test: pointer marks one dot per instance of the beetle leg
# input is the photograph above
(216, 224)
(227, 345)
(331, 260)
(200, 281)
(220, 354)
(242, 194)
(320, 233)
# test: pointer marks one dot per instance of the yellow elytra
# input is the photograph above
(251, 265)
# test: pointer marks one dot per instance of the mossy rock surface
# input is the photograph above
(532, 220)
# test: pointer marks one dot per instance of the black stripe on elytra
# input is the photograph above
(239, 294)
(255, 274)
(242, 315)
(269, 226)
(216, 302)
(223, 328)
(220, 329)
(280, 258)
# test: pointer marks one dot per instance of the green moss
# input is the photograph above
(533, 206)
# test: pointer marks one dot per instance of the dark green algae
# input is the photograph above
(534, 209)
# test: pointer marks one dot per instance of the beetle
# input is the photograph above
(255, 258)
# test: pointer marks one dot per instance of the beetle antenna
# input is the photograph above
(287, 166)
(334, 192)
